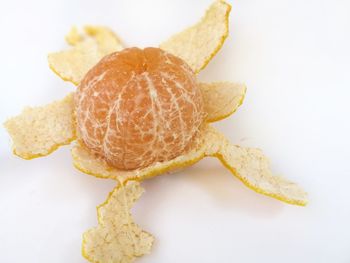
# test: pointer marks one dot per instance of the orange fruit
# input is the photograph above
(139, 106)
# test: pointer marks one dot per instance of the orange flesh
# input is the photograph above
(137, 107)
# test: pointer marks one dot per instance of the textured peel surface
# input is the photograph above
(252, 167)
(87, 49)
(247, 164)
(117, 238)
(198, 44)
(221, 99)
(38, 131)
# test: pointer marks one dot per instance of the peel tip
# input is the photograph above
(223, 38)
(59, 74)
(298, 202)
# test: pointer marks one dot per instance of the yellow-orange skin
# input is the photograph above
(139, 106)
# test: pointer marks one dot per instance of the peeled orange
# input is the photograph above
(139, 106)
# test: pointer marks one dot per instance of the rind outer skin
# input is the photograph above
(213, 149)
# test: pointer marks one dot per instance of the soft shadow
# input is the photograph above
(67, 178)
(211, 177)
(230, 192)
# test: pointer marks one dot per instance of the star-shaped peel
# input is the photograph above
(53, 125)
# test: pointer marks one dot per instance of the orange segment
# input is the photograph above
(117, 238)
(247, 164)
(198, 44)
(88, 48)
(38, 131)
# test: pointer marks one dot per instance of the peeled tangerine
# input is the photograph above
(139, 106)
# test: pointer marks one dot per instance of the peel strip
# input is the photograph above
(39, 131)
(88, 48)
(198, 44)
(117, 238)
(252, 167)
(222, 99)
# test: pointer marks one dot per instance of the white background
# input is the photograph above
(294, 57)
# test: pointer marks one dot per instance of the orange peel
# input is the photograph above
(222, 99)
(117, 238)
(87, 49)
(198, 44)
(74, 36)
(247, 164)
(252, 167)
(38, 131)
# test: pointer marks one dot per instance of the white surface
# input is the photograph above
(294, 57)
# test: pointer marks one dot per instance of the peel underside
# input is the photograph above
(117, 238)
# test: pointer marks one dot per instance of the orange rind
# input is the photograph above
(38, 131)
(74, 36)
(252, 167)
(198, 44)
(87, 49)
(247, 164)
(222, 99)
(117, 238)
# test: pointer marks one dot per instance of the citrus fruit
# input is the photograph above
(139, 106)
